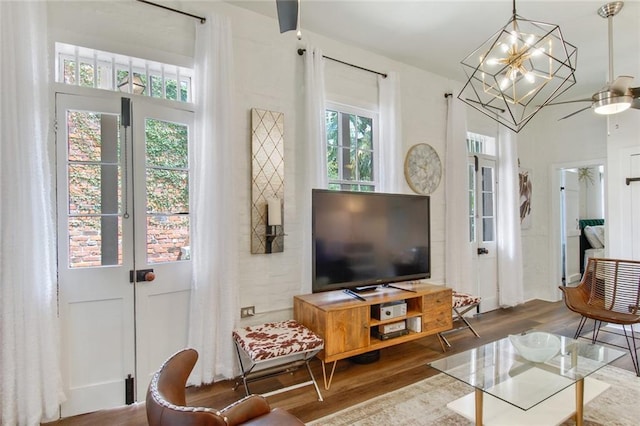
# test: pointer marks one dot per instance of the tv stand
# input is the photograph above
(346, 325)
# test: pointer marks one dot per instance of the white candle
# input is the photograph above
(274, 212)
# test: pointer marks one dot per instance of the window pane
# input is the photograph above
(347, 164)
(472, 229)
(167, 238)
(167, 144)
(90, 184)
(487, 179)
(365, 166)
(84, 136)
(104, 76)
(95, 241)
(156, 86)
(332, 128)
(122, 76)
(353, 131)
(86, 74)
(184, 91)
(487, 229)
(167, 181)
(171, 87)
(69, 71)
(167, 191)
(334, 186)
(364, 135)
(332, 162)
(487, 204)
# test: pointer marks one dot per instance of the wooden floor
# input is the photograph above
(398, 366)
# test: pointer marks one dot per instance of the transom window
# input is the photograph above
(481, 144)
(351, 136)
(85, 67)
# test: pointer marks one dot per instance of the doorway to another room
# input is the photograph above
(581, 209)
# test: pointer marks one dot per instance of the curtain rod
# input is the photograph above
(202, 19)
(301, 52)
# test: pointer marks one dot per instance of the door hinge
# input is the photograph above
(128, 390)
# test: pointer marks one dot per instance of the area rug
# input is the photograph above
(425, 403)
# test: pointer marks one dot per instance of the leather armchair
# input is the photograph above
(166, 401)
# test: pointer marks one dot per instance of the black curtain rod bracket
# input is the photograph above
(201, 18)
(301, 52)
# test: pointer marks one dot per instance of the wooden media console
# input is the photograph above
(346, 323)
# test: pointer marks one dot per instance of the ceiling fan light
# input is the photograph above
(608, 102)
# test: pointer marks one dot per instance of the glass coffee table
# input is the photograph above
(510, 389)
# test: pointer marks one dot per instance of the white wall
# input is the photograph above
(268, 75)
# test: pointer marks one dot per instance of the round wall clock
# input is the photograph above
(422, 168)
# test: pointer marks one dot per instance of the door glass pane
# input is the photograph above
(167, 190)
(488, 205)
(94, 189)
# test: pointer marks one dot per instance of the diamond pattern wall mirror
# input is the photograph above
(267, 178)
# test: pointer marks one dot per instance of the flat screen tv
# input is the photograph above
(364, 239)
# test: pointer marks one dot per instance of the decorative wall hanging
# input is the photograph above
(526, 189)
(422, 168)
(267, 179)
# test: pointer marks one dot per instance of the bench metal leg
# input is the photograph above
(633, 351)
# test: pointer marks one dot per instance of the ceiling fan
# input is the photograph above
(289, 15)
(617, 95)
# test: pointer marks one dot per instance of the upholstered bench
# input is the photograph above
(274, 348)
(461, 304)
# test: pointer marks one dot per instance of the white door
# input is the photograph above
(161, 180)
(483, 227)
(122, 208)
(570, 206)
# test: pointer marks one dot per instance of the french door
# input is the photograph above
(483, 229)
(123, 244)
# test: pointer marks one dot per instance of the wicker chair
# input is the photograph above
(166, 402)
(608, 293)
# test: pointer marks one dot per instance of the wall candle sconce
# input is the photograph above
(274, 219)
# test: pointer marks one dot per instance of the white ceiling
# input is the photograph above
(437, 35)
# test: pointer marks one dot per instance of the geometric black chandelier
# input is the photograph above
(520, 69)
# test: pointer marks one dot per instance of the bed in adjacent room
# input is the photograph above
(591, 240)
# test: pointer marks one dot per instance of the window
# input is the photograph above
(351, 137)
(80, 66)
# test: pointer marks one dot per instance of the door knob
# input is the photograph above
(483, 250)
(142, 275)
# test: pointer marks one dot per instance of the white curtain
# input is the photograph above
(312, 159)
(214, 298)
(31, 385)
(458, 254)
(390, 147)
(509, 247)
